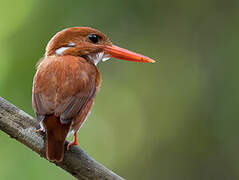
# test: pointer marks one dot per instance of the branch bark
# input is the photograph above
(21, 126)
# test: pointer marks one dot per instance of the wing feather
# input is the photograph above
(76, 105)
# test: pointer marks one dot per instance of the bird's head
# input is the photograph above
(90, 44)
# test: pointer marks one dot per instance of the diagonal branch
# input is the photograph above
(21, 126)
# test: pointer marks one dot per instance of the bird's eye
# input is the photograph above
(94, 38)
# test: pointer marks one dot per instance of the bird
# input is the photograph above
(67, 80)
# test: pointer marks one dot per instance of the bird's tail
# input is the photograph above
(55, 137)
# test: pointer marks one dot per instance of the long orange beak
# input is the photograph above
(124, 54)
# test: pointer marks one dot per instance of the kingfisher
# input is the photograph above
(67, 80)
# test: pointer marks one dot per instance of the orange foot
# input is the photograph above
(75, 142)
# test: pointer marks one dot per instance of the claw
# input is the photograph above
(39, 131)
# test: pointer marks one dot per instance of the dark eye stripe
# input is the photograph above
(94, 38)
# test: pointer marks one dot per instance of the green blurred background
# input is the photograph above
(175, 119)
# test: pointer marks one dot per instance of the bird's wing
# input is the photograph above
(75, 104)
(66, 92)
(67, 109)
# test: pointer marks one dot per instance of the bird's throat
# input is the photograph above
(97, 57)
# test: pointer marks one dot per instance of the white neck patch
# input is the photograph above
(60, 50)
(95, 57)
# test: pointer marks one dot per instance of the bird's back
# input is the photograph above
(62, 88)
